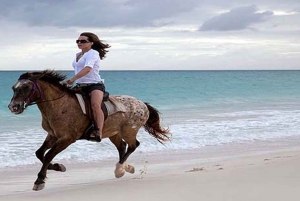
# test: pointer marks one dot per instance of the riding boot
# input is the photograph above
(95, 136)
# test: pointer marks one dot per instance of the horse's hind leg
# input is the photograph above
(131, 148)
(122, 166)
(48, 143)
(121, 147)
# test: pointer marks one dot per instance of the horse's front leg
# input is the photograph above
(58, 146)
(48, 143)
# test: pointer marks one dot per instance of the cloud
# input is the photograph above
(40, 34)
(236, 19)
(93, 13)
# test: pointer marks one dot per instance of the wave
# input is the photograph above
(211, 129)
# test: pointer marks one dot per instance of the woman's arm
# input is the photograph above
(81, 73)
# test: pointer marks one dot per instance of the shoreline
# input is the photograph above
(226, 172)
(232, 148)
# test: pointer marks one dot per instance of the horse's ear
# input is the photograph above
(26, 75)
(36, 75)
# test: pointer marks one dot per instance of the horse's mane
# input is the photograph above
(50, 76)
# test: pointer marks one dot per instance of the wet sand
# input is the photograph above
(233, 173)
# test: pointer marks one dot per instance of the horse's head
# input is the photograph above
(24, 95)
(28, 89)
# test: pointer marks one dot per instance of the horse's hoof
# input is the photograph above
(119, 171)
(57, 167)
(130, 169)
(38, 187)
(61, 168)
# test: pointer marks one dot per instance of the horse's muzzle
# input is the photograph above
(16, 108)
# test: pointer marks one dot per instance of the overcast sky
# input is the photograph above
(153, 34)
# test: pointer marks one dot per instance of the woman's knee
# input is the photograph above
(96, 106)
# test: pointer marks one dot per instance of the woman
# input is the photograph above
(86, 65)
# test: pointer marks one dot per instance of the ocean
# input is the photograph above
(201, 108)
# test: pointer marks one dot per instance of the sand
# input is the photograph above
(238, 172)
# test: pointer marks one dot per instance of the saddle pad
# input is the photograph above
(112, 105)
(81, 102)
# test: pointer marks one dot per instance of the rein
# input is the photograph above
(37, 86)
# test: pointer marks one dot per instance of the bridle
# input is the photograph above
(36, 87)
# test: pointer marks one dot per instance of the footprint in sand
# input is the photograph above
(220, 168)
(196, 169)
(283, 156)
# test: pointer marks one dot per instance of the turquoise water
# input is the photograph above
(201, 108)
(199, 89)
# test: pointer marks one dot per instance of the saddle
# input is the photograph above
(109, 106)
(85, 103)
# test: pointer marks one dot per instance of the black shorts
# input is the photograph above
(91, 87)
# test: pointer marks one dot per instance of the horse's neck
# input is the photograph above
(52, 98)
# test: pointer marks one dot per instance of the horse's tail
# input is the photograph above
(153, 127)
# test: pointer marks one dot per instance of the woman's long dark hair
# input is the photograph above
(98, 45)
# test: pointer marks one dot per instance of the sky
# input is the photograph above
(153, 34)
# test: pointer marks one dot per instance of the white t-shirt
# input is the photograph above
(91, 59)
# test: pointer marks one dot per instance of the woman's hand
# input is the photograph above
(67, 82)
(70, 82)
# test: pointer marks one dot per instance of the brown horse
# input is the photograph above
(64, 121)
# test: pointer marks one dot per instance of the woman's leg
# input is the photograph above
(96, 100)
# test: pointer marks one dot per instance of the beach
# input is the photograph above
(238, 172)
(235, 137)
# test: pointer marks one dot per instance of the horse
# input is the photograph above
(65, 123)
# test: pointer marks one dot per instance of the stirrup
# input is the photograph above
(95, 136)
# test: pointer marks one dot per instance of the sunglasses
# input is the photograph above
(82, 41)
